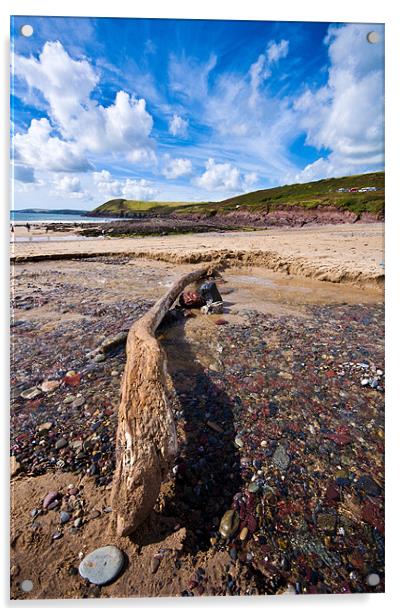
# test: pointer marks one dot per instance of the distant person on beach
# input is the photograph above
(28, 227)
(12, 228)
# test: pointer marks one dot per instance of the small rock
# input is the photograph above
(154, 564)
(30, 394)
(78, 402)
(243, 534)
(64, 517)
(57, 535)
(61, 443)
(78, 522)
(253, 487)
(98, 359)
(281, 459)
(68, 399)
(49, 499)
(102, 565)
(94, 514)
(48, 386)
(45, 427)
(229, 523)
(373, 579)
(239, 442)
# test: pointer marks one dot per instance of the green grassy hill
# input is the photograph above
(310, 195)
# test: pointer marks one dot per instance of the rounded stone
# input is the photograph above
(64, 517)
(229, 523)
(103, 565)
(373, 579)
(26, 585)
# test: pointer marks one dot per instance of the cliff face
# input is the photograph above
(287, 216)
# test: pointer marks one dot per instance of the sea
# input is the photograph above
(39, 217)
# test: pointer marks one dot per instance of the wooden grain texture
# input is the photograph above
(146, 441)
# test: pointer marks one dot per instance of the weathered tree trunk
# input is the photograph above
(146, 438)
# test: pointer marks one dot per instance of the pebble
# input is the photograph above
(98, 359)
(48, 386)
(26, 585)
(49, 499)
(154, 564)
(229, 524)
(280, 458)
(30, 394)
(253, 487)
(64, 517)
(61, 443)
(373, 579)
(102, 565)
(239, 442)
(78, 402)
(45, 427)
(243, 534)
(57, 535)
(68, 399)
(78, 522)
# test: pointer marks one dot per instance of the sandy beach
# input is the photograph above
(278, 406)
(347, 253)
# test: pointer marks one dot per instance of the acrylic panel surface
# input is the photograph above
(235, 445)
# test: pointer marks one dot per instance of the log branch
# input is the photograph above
(146, 441)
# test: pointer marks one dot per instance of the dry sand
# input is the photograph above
(334, 253)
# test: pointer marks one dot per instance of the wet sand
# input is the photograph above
(334, 253)
(283, 366)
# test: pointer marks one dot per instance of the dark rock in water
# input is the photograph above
(210, 292)
(280, 458)
(102, 565)
(229, 523)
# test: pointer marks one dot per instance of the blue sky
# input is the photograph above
(189, 110)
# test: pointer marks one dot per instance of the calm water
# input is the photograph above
(44, 217)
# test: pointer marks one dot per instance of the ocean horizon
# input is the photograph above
(43, 217)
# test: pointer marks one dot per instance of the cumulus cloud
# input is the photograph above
(346, 116)
(219, 176)
(109, 187)
(38, 149)
(178, 127)
(85, 126)
(69, 184)
(176, 167)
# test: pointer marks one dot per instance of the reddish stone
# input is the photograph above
(72, 380)
(373, 516)
(221, 322)
(332, 492)
(330, 373)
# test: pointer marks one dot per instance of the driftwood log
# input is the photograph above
(146, 438)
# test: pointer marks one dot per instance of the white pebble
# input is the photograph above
(373, 579)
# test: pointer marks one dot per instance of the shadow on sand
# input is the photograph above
(208, 463)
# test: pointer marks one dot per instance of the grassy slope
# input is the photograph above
(310, 195)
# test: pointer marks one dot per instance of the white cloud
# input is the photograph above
(39, 150)
(178, 127)
(69, 184)
(86, 127)
(176, 167)
(276, 51)
(219, 176)
(346, 116)
(188, 78)
(261, 69)
(109, 188)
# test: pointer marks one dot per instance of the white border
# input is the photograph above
(285, 10)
